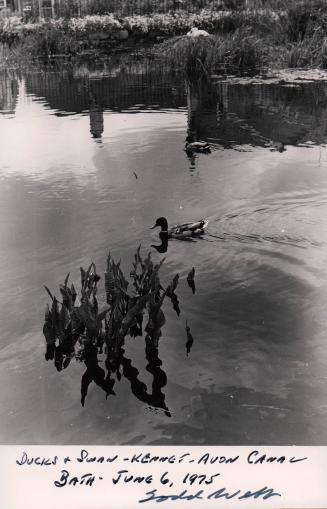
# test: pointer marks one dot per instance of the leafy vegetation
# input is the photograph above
(292, 35)
(240, 51)
(271, 33)
(75, 327)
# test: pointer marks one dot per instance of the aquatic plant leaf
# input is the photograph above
(66, 297)
(55, 317)
(73, 293)
(85, 382)
(173, 285)
(66, 362)
(83, 276)
(189, 340)
(175, 282)
(135, 330)
(66, 280)
(191, 285)
(50, 351)
(64, 317)
(47, 313)
(158, 266)
(175, 303)
(138, 257)
(111, 280)
(135, 310)
(156, 321)
(109, 286)
(190, 280)
(191, 274)
(87, 279)
(47, 289)
(148, 263)
(94, 305)
(123, 283)
(84, 315)
(103, 314)
(58, 358)
(49, 333)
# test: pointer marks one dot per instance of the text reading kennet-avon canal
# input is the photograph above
(204, 486)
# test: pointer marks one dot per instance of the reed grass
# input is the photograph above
(240, 50)
(276, 34)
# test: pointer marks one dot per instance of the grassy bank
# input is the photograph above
(295, 36)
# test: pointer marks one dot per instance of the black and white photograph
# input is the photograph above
(163, 205)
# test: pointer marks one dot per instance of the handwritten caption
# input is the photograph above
(202, 477)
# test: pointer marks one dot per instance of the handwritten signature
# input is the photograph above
(263, 493)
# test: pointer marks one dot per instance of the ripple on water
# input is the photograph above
(257, 315)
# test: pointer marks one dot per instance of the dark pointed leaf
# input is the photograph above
(83, 276)
(190, 275)
(190, 280)
(189, 340)
(73, 293)
(66, 280)
(47, 289)
(173, 285)
(175, 302)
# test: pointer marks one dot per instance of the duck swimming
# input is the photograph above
(180, 231)
(198, 146)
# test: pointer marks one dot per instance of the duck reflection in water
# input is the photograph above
(163, 247)
(96, 118)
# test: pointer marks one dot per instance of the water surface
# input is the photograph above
(73, 141)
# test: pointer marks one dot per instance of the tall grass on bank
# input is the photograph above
(68, 36)
(275, 35)
(309, 52)
(240, 50)
(251, 40)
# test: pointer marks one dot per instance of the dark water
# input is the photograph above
(71, 141)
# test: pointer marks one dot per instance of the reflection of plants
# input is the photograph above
(75, 327)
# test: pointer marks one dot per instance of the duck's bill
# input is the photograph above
(154, 226)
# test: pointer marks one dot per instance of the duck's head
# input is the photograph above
(162, 222)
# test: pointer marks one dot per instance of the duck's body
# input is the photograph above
(181, 231)
(197, 146)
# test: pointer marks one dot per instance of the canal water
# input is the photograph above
(90, 157)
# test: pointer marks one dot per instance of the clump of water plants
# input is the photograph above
(76, 327)
(240, 50)
(77, 320)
